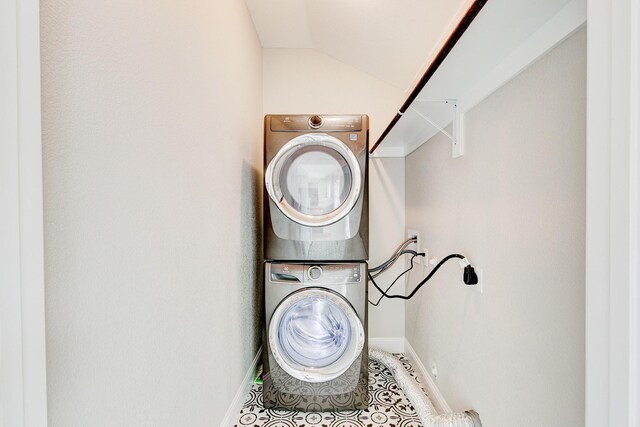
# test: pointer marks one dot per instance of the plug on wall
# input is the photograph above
(471, 276)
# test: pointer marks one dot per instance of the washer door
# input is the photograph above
(314, 179)
(315, 335)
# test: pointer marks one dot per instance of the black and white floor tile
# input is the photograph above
(388, 407)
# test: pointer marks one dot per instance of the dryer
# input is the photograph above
(315, 342)
(316, 187)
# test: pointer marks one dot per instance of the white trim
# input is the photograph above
(634, 135)
(388, 344)
(569, 19)
(11, 382)
(241, 395)
(22, 331)
(613, 214)
(436, 397)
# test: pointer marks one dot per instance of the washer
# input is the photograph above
(316, 187)
(315, 343)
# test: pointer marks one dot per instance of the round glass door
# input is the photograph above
(314, 179)
(315, 335)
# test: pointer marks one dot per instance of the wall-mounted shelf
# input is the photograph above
(492, 44)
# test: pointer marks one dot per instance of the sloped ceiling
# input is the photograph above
(388, 39)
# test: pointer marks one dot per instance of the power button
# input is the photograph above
(314, 272)
(315, 122)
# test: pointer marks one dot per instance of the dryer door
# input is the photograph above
(314, 179)
(315, 335)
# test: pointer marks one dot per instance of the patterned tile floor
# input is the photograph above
(388, 407)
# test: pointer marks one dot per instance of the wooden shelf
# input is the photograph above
(496, 41)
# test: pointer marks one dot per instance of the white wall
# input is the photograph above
(152, 136)
(515, 205)
(307, 81)
(386, 220)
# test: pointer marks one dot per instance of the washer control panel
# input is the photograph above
(317, 273)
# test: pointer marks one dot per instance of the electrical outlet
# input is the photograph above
(425, 258)
(434, 370)
(414, 246)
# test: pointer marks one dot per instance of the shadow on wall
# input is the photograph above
(251, 256)
(389, 191)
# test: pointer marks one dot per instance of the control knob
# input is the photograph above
(315, 272)
(315, 122)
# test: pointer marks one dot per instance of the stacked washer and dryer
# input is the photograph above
(316, 241)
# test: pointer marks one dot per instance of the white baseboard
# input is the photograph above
(388, 344)
(436, 397)
(242, 393)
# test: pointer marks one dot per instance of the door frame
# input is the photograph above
(612, 232)
(613, 214)
(23, 392)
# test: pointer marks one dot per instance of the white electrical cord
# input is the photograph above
(424, 408)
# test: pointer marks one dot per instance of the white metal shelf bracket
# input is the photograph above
(458, 132)
(456, 135)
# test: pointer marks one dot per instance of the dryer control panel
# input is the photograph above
(326, 123)
(317, 273)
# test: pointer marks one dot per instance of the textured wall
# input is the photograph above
(307, 81)
(515, 205)
(152, 129)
